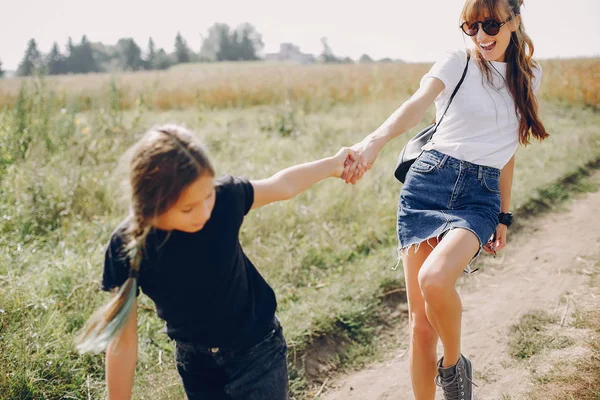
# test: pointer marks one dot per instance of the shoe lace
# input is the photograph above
(454, 387)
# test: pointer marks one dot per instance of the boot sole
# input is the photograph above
(469, 371)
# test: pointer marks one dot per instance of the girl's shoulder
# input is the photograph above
(224, 182)
(118, 238)
(121, 230)
(234, 191)
(230, 183)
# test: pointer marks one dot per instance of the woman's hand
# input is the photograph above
(367, 151)
(499, 243)
(345, 157)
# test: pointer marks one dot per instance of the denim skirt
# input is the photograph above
(441, 193)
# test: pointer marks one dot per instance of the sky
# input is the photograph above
(412, 30)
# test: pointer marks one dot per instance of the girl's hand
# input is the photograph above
(344, 157)
(501, 236)
(368, 150)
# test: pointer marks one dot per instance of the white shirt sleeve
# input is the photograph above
(448, 70)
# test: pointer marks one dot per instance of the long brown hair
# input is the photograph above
(164, 162)
(520, 65)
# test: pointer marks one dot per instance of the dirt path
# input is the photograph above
(533, 275)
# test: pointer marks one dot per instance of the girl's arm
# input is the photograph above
(121, 357)
(291, 181)
(404, 118)
(506, 179)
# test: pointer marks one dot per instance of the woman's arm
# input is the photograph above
(506, 179)
(291, 181)
(121, 357)
(404, 118)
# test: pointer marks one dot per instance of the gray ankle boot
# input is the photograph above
(456, 381)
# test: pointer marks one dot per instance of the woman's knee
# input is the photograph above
(421, 330)
(434, 284)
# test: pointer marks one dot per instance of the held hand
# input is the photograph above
(499, 243)
(368, 152)
(345, 156)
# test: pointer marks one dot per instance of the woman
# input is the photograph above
(456, 195)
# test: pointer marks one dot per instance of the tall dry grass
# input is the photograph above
(223, 85)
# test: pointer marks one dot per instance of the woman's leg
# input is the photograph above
(437, 279)
(423, 338)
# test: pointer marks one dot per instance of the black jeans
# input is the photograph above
(258, 372)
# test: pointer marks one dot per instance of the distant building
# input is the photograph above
(291, 52)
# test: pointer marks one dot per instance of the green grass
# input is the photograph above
(530, 337)
(576, 378)
(329, 258)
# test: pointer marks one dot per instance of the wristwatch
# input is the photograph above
(505, 218)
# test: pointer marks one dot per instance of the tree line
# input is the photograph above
(222, 43)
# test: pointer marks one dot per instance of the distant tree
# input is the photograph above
(107, 57)
(209, 48)
(32, 60)
(224, 44)
(150, 59)
(81, 57)
(232, 46)
(55, 61)
(227, 40)
(347, 60)
(163, 61)
(85, 56)
(248, 42)
(69, 55)
(1, 70)
(211, 44)
(130, 54)
(182, 51)
(70, 45)
(365, 58)
(327, 55)
(386, 60)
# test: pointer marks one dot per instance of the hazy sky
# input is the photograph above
(413, 30)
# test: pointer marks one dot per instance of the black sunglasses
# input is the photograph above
(489, 26)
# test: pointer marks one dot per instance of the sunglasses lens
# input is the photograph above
(491, 27)
(470, 29)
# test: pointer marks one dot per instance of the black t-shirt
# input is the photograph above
(203, 285)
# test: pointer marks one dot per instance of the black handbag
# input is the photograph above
(413, 148)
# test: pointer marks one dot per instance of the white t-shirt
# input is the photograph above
(481, 124)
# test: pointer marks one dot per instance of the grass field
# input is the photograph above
(225, 85)
(328, 253)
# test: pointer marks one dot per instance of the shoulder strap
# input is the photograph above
(462, 78)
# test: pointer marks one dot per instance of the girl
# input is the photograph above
(457, 193)
(181, 246)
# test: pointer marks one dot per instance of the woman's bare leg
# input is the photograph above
(423, 338)
(437, 279)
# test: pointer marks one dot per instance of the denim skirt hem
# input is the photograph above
(442, 193)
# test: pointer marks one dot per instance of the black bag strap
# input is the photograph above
(462, 78)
